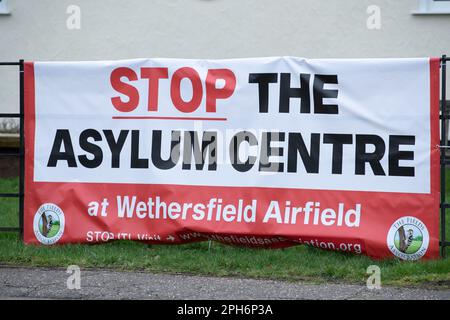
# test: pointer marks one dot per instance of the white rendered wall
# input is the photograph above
(116, 29)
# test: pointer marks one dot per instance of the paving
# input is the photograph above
(51, 283)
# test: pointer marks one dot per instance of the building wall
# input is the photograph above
(116, 29)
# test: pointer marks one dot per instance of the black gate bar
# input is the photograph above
(10, 63)
(21, 148)
(10, 115)
(444, 142)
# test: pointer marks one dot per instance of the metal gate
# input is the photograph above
(444, 145)
(20, 154)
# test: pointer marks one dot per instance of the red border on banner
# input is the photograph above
(434, 127)
(371, 237)
(30, 122)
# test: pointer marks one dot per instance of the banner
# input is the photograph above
(265, 152)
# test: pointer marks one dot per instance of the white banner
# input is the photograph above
(296, 123)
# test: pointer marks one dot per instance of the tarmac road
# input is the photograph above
(49, 283)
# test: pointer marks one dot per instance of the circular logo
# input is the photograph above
(408, 238)
(48, 223)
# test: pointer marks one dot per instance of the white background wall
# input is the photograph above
(116, 29)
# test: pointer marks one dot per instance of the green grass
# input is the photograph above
(414, 247)
(53, 231)
(295, 263)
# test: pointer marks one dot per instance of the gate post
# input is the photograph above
(21, 150)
